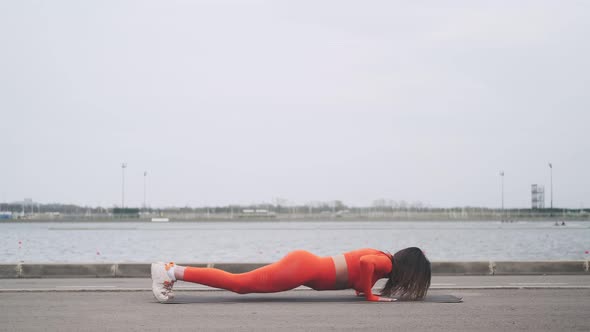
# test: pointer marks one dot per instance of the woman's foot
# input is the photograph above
(161, 282)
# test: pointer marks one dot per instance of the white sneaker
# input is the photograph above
(161, 282)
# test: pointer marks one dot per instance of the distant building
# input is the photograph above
(126, 212)
(537, 196)
(256, 213)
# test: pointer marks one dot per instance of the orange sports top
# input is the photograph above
(365, 267)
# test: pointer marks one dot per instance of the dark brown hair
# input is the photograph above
(410, 275)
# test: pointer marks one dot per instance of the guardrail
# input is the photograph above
(142, 270)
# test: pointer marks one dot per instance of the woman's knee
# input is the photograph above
(241, 288)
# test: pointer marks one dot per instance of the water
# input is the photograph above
(77, 242)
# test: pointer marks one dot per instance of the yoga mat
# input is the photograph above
(214, 297)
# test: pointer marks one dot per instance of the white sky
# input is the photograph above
(234, 102)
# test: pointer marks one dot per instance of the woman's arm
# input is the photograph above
(371, 265)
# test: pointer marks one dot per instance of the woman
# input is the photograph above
(408, 273)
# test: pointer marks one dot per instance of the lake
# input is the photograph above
(88, 242)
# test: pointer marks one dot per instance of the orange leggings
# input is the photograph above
(298, 268)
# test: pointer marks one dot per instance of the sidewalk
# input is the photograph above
(438, 282)
(139, 270)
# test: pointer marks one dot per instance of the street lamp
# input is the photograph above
(144, 187)
(502, 181)
(551, 182)
(123, 166)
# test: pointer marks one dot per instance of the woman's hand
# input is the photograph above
(375, 298)
(386, 299)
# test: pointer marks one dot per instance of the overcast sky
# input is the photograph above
(241, 102)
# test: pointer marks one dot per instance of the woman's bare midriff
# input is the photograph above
(341, 272)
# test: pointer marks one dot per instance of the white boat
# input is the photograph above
(160, 220)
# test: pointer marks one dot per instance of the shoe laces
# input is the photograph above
(168, 286)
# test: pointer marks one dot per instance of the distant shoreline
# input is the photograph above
(176, 219)
(339, 213)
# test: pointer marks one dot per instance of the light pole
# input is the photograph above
(502, 181)
(551, 183)
(144, 188)
(123, 166)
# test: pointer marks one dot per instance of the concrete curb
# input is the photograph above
(462, 268)
(142, 270)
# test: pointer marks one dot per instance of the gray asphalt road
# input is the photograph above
(482, 310)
